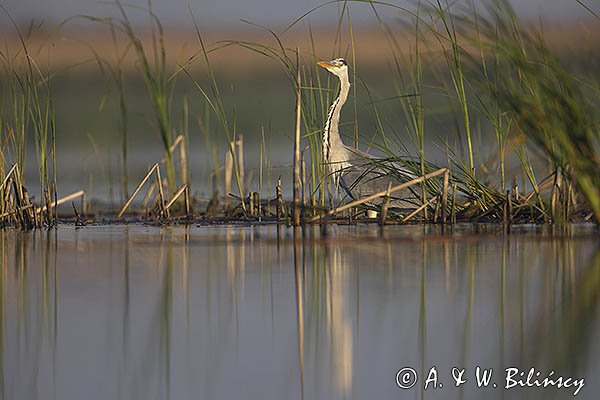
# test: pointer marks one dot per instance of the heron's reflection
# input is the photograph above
(340, 320)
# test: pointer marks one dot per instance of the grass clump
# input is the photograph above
(29, 112)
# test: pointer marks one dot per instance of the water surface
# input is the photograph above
(137, 312)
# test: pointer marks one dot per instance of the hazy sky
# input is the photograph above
(227, 13)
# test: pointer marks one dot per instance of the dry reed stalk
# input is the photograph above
(177, 194)
(454, 189)
(240, 160)
(6, 194)
(161, 195)
(570, 200)
(505, 209)
(418, 210)
(16, 211)
(384, 207)
(9, 175)
(257, 201)
(84, 205)
(78, 220)
(297, 143)
(184, 162)
(445, 196)
(156, 170)
(557, 194)
(381, 194)
(510, 206)
(30, 210)
(251, 203)
(148, 195)
(280, 207)
(180, 141)
(188, 204)
(47, 201)
(62, 201)
(5, 205)
(227, 171)
(21, 199)
(303, 183)
(424, 200)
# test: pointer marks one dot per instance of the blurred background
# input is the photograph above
(99, 92)
(228, 13)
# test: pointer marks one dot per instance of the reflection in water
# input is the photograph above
(175, 313)
(340, 326)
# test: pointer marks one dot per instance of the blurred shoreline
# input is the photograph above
(74, 50)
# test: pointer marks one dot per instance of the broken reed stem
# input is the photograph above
(303, 183)
(280, 209)
(258, 205)
(14, 168)
(78, 220)
(23, 215)
(505, 209)
(254, 203)
(251, 203)
(297, 143)
(395, 189)
(418, 210)
(557, 194)
(58, 202)
(148, 194)
(453, 216)
(180, 142)
(13, 212)
(445, 195)
(510, 206)
(161, 194)
(240, 160)
(154, 168)
(227, 170)
(384, 207)
(183, 161)
(188, 205)
(569, 200)
(177, 194)
(84, 205)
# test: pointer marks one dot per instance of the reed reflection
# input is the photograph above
(143, 313)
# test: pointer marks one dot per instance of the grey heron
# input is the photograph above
(357, 172)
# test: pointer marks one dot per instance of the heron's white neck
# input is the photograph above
(333, 147)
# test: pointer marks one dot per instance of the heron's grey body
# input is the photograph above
(358, 173)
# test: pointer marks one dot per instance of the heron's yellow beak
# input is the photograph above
(326, 64)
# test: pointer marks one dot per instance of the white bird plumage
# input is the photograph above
(357, 172)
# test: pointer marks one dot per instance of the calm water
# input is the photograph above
(249, 313)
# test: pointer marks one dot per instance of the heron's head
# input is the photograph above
(338, 67)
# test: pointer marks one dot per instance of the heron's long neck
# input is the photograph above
(331, 133)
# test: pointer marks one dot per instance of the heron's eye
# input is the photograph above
(339, 62)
